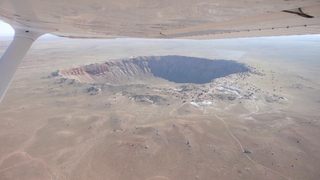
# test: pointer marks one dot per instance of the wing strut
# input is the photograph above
(12, 58)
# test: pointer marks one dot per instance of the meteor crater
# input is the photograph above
(178, 69)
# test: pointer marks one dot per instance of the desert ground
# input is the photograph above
(258, 124)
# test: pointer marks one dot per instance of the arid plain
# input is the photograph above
(258, 124)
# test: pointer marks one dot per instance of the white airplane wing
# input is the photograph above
(164, 18)
(188, 19)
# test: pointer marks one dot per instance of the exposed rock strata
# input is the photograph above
(178, 69)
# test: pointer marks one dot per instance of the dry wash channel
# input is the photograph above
(178, 69)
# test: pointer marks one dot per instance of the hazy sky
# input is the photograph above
(5, 29)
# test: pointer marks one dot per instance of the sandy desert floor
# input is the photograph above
(262, 124)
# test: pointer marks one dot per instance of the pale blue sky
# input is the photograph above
(5, 29)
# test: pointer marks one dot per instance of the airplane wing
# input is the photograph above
(187, 19)
(199, 19)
